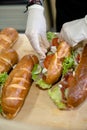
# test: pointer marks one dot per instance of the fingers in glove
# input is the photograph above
(44, 41)
(34, 40)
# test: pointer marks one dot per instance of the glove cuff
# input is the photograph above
(35, 6)
(32, 2)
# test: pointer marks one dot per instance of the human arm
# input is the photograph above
(36, 29)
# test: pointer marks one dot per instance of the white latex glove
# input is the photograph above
(74, 31)
(36, 30)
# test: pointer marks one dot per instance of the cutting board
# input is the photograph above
(39, 110)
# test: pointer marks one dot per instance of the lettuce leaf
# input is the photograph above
(3, 77)
(56, 96)
(42, 84)
(36, 69)
(68, 63)
(36, 76)
(1, 109)
(50, 36)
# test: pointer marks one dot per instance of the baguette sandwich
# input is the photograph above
(17, 86)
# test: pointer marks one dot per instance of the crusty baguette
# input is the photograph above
(8, 59)
(8, 37)
(11, 33)
(5, 42)
(78, 88)
(17, 86)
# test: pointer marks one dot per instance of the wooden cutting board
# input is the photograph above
(39, 109)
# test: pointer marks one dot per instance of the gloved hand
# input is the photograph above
(36, 30)
(74, 31)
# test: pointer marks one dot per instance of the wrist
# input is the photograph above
(32, 2)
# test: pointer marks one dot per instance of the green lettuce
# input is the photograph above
(36, 76)
(56, 96)
(50, 36)
(68, 63)
(42, 84)
(1, 109)
(3, 77)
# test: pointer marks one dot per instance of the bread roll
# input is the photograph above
(11, 33)
(8, 59)
(8, 37)
(17, 86)
(55, 67)
(78, 88)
